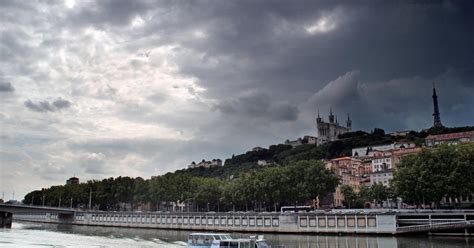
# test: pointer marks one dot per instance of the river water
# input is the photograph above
(52, 235)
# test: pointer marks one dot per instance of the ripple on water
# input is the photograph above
(22, 235)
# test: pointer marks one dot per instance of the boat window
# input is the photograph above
(200, 240)
(261, 244)
(229, 244)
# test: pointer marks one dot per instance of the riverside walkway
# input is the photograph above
(337, 222)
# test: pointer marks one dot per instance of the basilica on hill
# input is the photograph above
(328, 131)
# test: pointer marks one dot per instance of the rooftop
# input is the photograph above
(450, 136)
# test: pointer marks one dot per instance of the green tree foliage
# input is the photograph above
(446, 171)
(264, 189)
(379, 193)
(350, 196)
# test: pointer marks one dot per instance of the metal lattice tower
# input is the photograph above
(436, 117)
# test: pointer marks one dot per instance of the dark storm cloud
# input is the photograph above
(6, 87)
(258, 105)
(372, 39)
(265, 46)
(46, 106)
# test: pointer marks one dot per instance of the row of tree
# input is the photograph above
(376, 194)
(432, 175)
(265, 189)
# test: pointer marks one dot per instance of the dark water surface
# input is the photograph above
(52, 235)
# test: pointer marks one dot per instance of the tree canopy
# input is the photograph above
(427, 177)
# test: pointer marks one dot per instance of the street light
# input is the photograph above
(90, 198)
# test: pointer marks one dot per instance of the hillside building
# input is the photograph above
(306, 140)
(258, 149)
(206, 164)
(449, 138)
(72, 180)
(329, 131)
(385, 162)
(369, 151)
(350, 171)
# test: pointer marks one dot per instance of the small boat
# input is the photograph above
(224, 240)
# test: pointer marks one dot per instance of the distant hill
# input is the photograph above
(283, 155)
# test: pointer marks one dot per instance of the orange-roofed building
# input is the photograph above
(449, 138)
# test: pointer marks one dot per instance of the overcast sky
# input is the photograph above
(140, 88)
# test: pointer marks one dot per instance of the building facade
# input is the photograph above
(385, 162)
(382, 177)
(349, 170)
(382, 161)
(450, 138)
(306, 140)
(370, 151)
(72, 180)
(329, 131)
(206, 164)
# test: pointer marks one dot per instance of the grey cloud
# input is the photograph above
(158, 98)
(94, 163)
(377, 63)
(157, 151)
(46, 106)
(258, 105)
(61, 104)
(6, 87)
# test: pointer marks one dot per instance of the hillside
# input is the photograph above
(284, 154)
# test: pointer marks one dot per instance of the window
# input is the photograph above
(259, 222)
(303, 222)
(252, 222)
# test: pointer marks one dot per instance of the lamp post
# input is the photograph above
(90, 198)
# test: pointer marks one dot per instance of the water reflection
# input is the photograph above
(178, 238)
(333, 241)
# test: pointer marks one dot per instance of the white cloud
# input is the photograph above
(322, 25)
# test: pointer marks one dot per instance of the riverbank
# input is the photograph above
(389, 223)
(42, 234)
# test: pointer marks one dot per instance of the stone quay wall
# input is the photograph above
(230, 222)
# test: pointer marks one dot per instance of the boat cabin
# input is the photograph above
(224, 240)
(204, 240)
